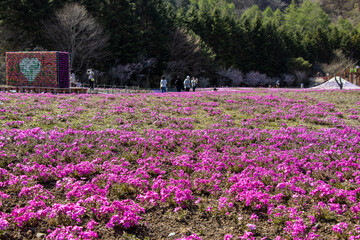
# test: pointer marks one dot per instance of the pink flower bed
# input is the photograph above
(106, 162)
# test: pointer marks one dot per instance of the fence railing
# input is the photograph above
(111, 89)
(350, 74)
(31, 89)
(85, 88)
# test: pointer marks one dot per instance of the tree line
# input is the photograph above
(134, 42)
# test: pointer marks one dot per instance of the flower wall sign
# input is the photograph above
(38, 69)
(30, 67)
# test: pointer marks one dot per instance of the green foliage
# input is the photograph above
(276, 17)
(267, 40)
(125, 38)
(298, 64)
(344, 25)
(24, 17)
(225, 7)
(251, 13)
(318, 46)
(306, 17)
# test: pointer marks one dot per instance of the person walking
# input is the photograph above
(72, 79)
(187, 84)
(178, 84)
(194, 82)
(91, 78)
(163, 83)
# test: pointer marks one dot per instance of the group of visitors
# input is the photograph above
(90, 75)
(180, 85)
(190, 83)
(185, 85)
(75, 83)
(73, 80)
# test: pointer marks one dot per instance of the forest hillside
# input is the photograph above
(335, 8)
(222, 42)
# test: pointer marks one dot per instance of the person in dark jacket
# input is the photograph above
(178, 84)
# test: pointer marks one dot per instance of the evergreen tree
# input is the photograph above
(322, 50)
(155, 26)
(24, 17)
(266, 42)
(335, 37)
(278, 17)
(356, 46)
(306, 17)
(252, 13)
(350, 44)
(346, 44)
(121, 23)
(225, 7)
(220, 39)
(274, 52)
(268, 15)
(251, 45)
(344, 25)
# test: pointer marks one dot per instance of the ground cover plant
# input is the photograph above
(243, 164)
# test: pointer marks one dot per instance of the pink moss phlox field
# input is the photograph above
(79, 164)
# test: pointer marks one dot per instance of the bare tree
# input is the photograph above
(146, 65)
(339, 82)
(254, 79)
(300, 77)
(338, 63)
(339, 8)
(73, 30)
(288, 80)
(122, 74)
(337, 66)
(234, 75)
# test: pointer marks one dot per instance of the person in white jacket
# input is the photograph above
(163, 84)
(187, 84)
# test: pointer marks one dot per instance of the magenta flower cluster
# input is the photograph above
(85, 176)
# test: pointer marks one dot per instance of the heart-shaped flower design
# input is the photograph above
(30, 67)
